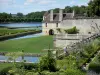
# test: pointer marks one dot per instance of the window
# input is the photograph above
(56, 24)
(46, 25)
(89, 32)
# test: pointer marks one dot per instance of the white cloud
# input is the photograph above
(7, 1)
(43, 2)
(27, 2)
(46, 1)
(72, 2)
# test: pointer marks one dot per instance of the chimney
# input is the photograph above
(73, 14)
(51, 15)
(60, 15)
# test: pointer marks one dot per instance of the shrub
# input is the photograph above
(5, 71)
(31, 66)
(74, 72)
(73, 30)
(59, 30)
(60, 57)
(48, 63)
(94, 67)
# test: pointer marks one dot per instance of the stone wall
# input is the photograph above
(45, 30)
(68, 39)
(84, 25)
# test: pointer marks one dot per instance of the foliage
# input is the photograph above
(15, 69)
(5, 16)
(19, 17)
(32, 66)
(94, 67)
(6, 31)
(5, 71)
(59, 30)
(74, 72)
(73, 30)
(94, 8)
(35, 14)
(85, 51)
(19, 14)
(48, 63)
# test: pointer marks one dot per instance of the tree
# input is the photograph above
(15, 69)
(56, 10)
(48, 63)
(93, 8)
(20, 14)
(68, 9)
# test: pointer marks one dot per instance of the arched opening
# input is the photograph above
(51, 32)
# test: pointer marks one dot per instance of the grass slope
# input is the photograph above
(32, 45)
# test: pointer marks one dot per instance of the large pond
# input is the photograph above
(26, 26)
(29, 59)
(34, 24)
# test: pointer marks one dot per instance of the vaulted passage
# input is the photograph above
(51, 32)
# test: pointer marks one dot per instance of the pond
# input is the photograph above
(27, 58)
(25, 26)
(33, 24)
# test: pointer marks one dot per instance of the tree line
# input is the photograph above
(92, 10)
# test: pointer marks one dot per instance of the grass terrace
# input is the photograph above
(31, 45)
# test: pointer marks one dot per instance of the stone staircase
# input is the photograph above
(76, 46)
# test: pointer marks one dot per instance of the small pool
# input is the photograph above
(29, 59)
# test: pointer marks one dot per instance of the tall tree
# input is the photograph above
(20, 14)
(68, 9)
(94, 8)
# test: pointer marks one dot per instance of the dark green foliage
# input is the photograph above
(74, 72)
(73, 30)
(31, 66)
(94, 67)
(48, 64)
(19, 14)
(59, 30)
(35, 15)
(5, 71)
(93, 8)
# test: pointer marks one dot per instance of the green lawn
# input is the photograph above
(32, 45)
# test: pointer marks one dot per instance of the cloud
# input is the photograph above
(46, 1)
(6, 2)
(27, 2)
(42, 2)
(72, 2)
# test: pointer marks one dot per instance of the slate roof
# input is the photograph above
(56, 17)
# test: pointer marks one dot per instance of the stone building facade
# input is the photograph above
(53, 21)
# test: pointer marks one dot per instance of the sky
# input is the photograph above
(27, 6)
